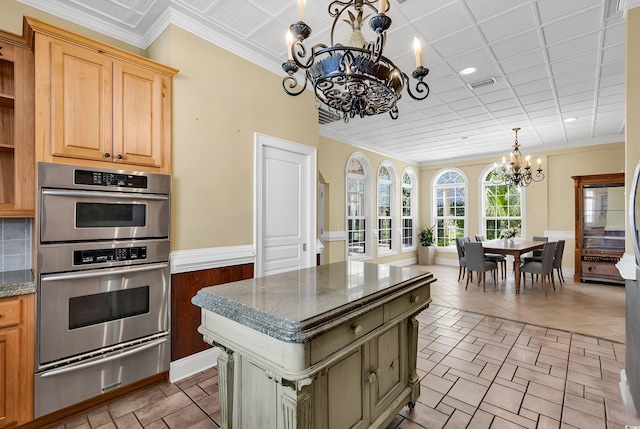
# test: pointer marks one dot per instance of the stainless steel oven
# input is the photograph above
(103, 281)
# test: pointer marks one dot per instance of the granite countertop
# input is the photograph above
(288, 306)
(13, 283)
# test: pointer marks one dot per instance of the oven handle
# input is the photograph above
(119, 195)
(79, 366)
(101, 273)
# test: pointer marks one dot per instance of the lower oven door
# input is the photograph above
(74, 382)
(89, 310)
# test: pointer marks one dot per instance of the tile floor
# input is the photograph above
(487, 360)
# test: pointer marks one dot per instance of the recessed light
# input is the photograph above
(468, 70)
(570, 119)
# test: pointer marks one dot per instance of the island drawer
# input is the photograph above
(343, 334)
(9, 312)
(409, 300)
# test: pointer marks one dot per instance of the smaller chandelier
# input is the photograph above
(352, 79)
(516, 172)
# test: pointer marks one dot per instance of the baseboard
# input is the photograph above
(186, 367)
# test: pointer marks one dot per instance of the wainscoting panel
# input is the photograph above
(185, 339)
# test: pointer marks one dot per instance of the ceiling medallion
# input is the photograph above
(355, 79)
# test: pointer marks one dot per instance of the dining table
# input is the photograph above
(515, 248)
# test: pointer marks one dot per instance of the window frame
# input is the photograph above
(392, 217)
(366, 210)
(434, 205)
(413, 208)
(483, 218)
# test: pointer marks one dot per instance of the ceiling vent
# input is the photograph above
(480, 83)
(326, 117)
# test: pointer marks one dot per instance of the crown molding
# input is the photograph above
(629, 4)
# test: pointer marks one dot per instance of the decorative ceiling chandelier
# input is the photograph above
(353, 79)
(516, 172)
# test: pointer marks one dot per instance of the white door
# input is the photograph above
(286, 201)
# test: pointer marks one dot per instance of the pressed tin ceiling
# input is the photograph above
(538, 63)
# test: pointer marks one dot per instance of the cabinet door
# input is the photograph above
(388, 363)
(81, 102)
(9, 389)
(345, 392)
(138, 118)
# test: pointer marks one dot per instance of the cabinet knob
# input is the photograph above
(107, 155)
(119, 156)
(356, 329)
(414, 298)
(372, 377)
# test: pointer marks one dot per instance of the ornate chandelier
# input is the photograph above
(516, 172)
(353, 79)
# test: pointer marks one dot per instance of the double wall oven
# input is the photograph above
(103, 281)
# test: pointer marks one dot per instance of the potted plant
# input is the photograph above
(427, 251)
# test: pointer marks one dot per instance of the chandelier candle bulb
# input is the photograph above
(301, 4)
(382, 6)
(539, 164)
(289, 43)
(417, 50)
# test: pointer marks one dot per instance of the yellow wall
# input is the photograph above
(549, 205)
(332, 164)
(219, 101)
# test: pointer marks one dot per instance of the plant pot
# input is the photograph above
(427, 255)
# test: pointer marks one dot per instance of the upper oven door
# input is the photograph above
(76, 215)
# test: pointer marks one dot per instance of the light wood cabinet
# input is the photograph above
(16, 360)
(599, 226)
(97, 104)
(17, 172)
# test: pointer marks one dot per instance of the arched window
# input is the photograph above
(386, 208)
(357, 206)
(501, 206)
(450, 207)
(409, 209)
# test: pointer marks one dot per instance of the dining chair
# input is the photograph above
(499, 259)
(462, 261)
(557, 260)
(538, 252)
(474, 254)
(543, 268)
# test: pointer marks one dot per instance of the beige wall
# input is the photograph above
(332, 163)
(549, 205)
(632, 124)
(219, 101)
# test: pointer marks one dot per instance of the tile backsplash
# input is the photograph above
(15, 244)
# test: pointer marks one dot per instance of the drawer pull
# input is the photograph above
(356, 329)
(414, 298)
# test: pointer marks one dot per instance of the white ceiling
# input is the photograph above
(552, 59)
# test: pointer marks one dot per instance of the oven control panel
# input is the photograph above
(83, 257)
(101, 178)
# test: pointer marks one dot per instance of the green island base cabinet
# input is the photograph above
(328, 347)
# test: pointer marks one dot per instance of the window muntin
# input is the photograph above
(502, 207)
(450, 200)
(356, 206)
(408, 233)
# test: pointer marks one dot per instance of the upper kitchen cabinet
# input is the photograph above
(17, 172)
(98, 104)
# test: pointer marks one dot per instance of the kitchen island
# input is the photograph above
(332, 346)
